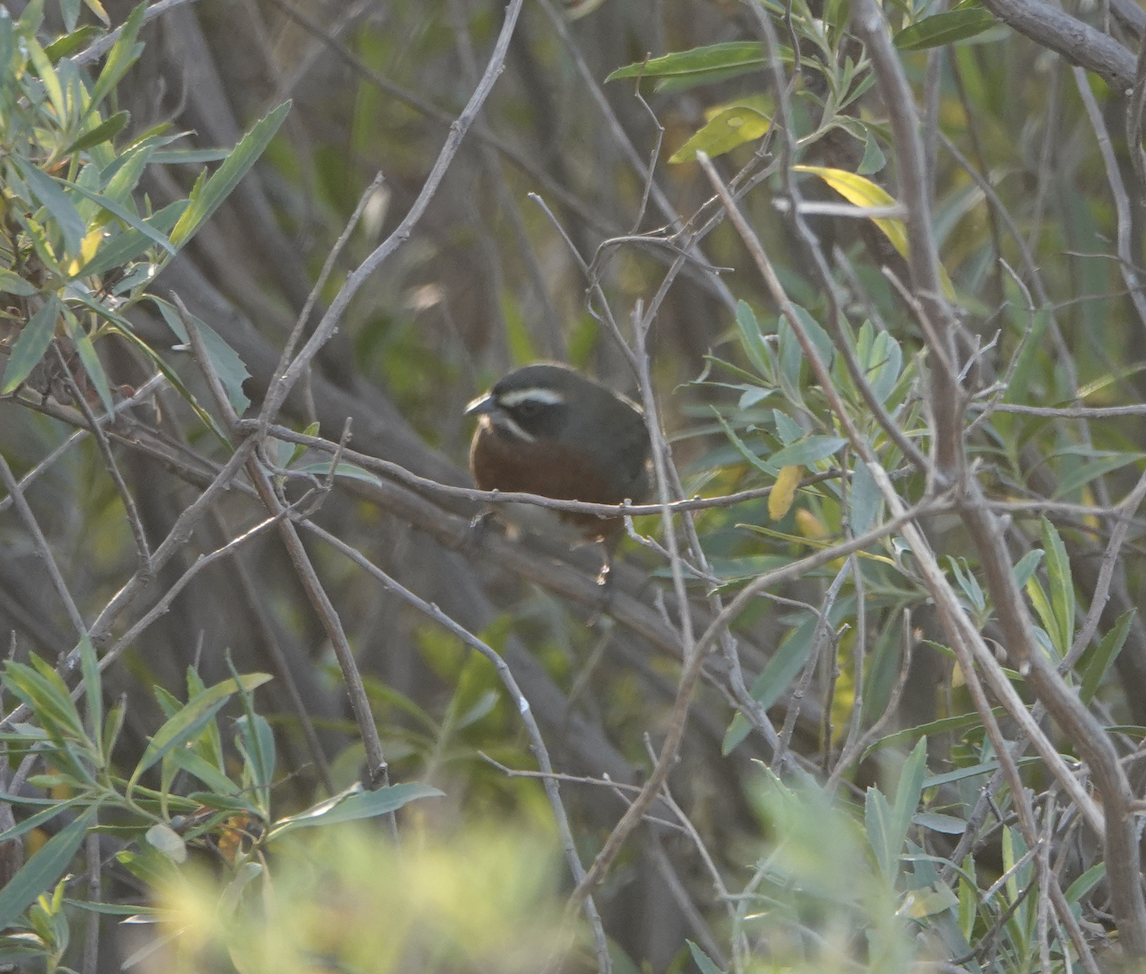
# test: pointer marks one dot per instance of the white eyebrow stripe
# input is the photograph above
(506, 423)
(548, 397)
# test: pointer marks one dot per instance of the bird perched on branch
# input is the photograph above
(547, 429)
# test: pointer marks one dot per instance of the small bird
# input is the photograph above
(547, 429)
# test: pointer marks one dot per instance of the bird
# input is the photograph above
(547, 429)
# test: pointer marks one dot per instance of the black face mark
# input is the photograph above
(542, 416)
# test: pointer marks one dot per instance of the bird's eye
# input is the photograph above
(529, 407)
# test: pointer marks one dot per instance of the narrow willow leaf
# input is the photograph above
(121, 57)
(700, 62)
(966, 20)
(208, 196)
(30, 347)
(1061, 585)
(354, 804)
(56, 202)
(128, 217)
(90, 360)
(1106, 653)
(809, 450)
(44, 869)
(104, 132)
(192, 718)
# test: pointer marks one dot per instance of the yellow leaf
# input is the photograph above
(863, 192)
(810, 525)
(728, 126)
(780, 500)
(87, 250)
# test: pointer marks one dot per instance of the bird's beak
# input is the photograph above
(483, 405)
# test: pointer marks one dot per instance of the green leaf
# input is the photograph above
(149, 865)
(908, 790)
(208, 196)
(194, 764)
(44, 869)
(968, 584)
(811, 449)
(56, 202)
(1044, 610)
(881, 359)
(727, 128)
(224, 359)
(70, 11)
(1106, 653)
(1026, 567)
(701, 64)
(1061, 585)
(12, 283)
(1084, 474)
(752, 340)
(353, 804)
(133, 221)
(877, 824)
(47, 695)
(55, 807)
(93, 689)
(30, 347)
(104, 132)
(256, 743)
(702, 960)
(91, 363)
(966, 20)
(127, 246)
(348, 470)
(47, 74)
(1085, 883)
(70, 43)
(742, 448)
(119, 58)
(775, 678)
(820, 339)
(193, 718)
(865, 498)
(873, 158)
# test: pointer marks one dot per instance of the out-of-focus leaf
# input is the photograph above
(44, 869)
(784, 491)
(809, 450)
(29, 349)
(354, 804)
(1106, 653)
(966, 20)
